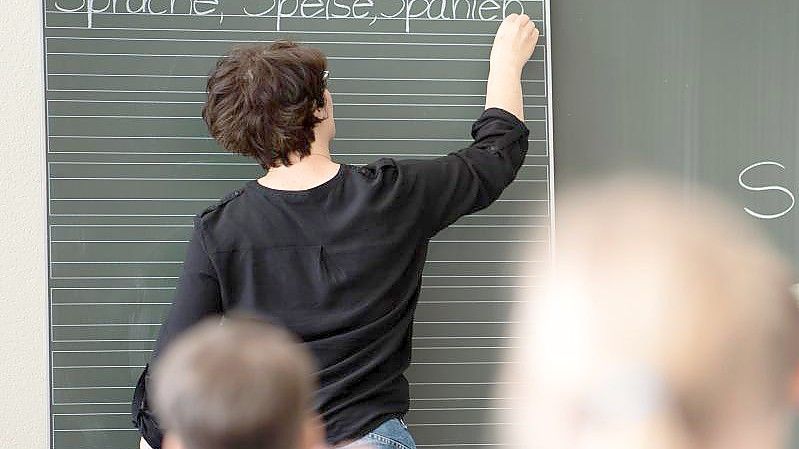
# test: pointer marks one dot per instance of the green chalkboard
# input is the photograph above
(703, 90)
(129, 164)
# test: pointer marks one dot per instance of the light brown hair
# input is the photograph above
(663, 323)
(243, 384)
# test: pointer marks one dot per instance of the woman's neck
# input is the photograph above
(304, 173)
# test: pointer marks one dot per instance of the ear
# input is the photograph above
(325, 112)
(321, 113)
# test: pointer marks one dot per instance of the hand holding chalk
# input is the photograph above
(514, 43)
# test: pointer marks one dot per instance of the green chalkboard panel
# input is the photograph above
(129, 164)
(704, 91)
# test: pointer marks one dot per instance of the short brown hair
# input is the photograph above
(262, 98)
(243, 384)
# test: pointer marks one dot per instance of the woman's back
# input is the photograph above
(340, 264)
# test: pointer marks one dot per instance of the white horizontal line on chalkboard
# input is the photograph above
(104, 324)
(119, 39)
(380, 94)
(281, 33)
(366, 119)
(432, 348)
(103, 351)
(111, 288)
(172, 288)
(487, 301)
(180, 261)
(498, 362)
(249, 164)
(129, 101)
(166, 303)
(212, 199)
(186, 241)
(202, 179)
(423, 287)
(461, 444)
(148, 340)
(334, 58)
(409, 425)
(192, 215)
(134, 199)
(266, 16)
(458, 337)
(426, 276)
(403, 155)
(128, 403)
(458, 424)
(122, 215)
(382, 139)
(411, 409)
(114, 277)
(130, 387)
(152, 340)
(216, 199)
(191, 225)
(177, 263)
(95, 387)
(91, 403)
(454, 337)
(96, 414)
(146, 75)
(474, 106)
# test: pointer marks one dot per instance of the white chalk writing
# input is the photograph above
(766, 188)
(372, 10)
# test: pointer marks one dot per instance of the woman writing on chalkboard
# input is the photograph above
(335, 252)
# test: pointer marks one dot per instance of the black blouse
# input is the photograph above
(340, 265)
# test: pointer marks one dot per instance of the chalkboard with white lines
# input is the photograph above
(130, 163)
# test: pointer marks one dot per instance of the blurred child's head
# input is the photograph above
(241, 384)
(664, 323)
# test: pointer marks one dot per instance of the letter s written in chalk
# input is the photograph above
(746, 186)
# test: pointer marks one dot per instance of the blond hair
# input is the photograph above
(661, 316)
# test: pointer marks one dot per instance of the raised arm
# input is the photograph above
(472, 178)
(513, 45)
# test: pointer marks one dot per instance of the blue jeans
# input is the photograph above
(392, 434)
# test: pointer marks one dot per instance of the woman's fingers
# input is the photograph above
(515, 40)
